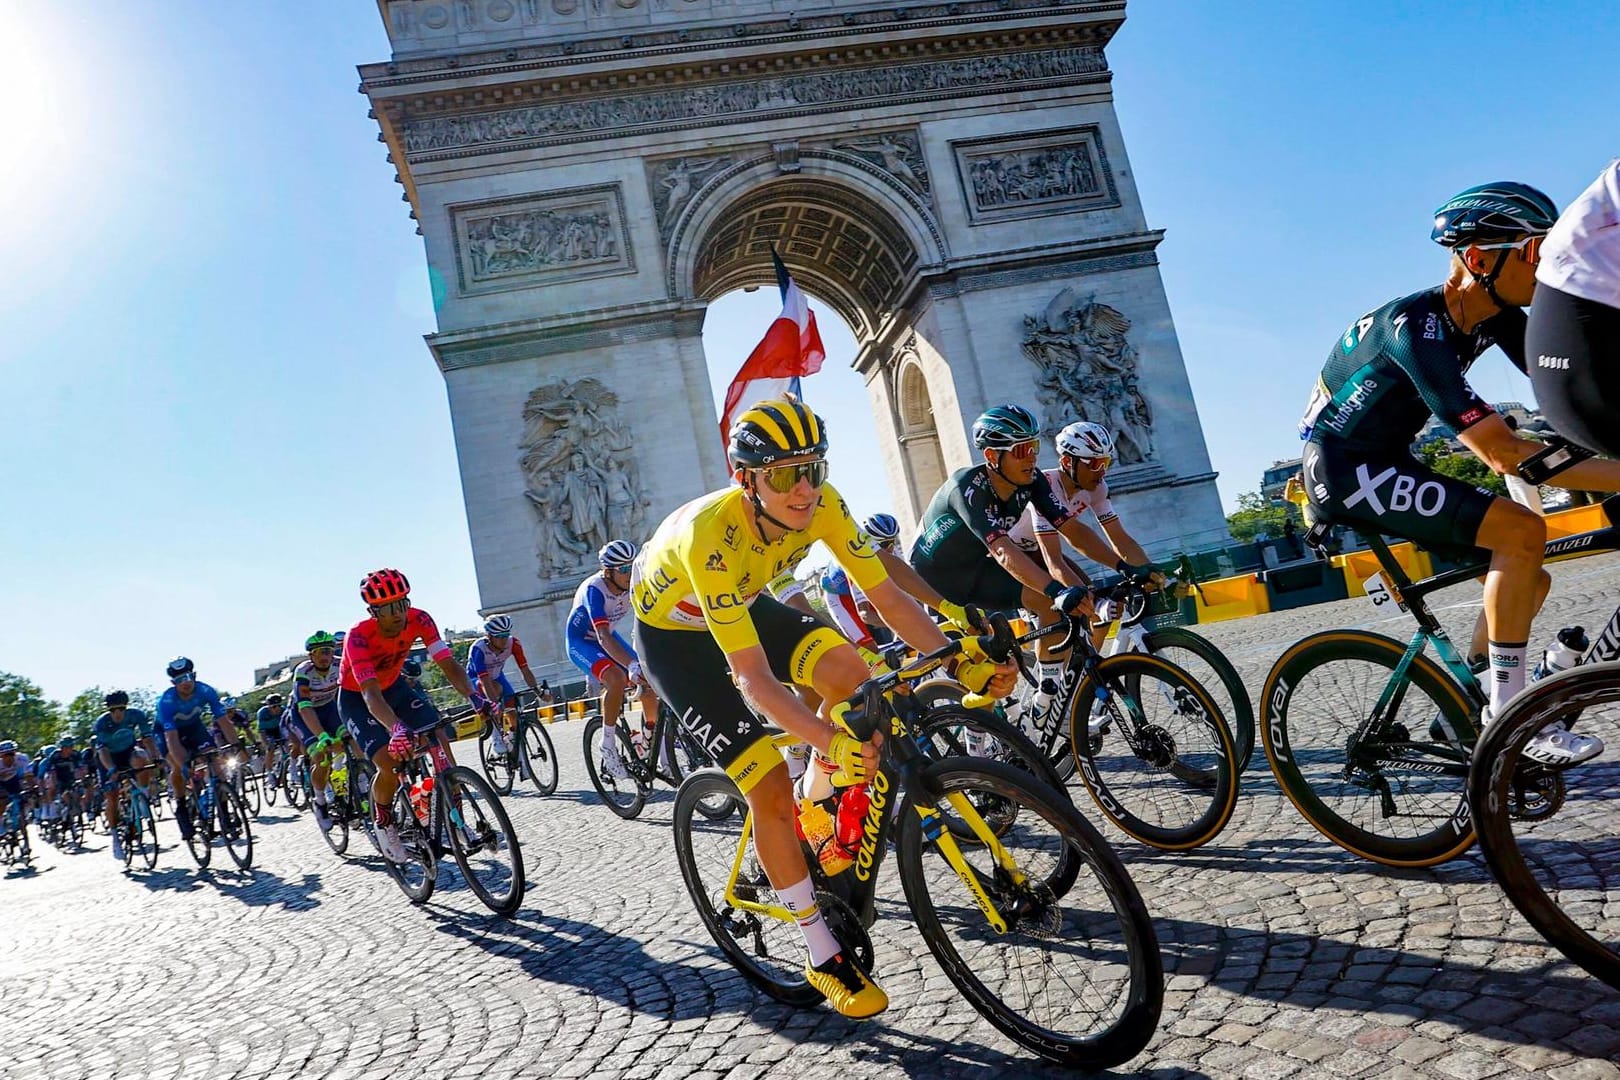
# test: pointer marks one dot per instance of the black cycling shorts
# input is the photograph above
(985, 584)
(1394, 494)
(691, 674)
(1572, 352)
(412, 707)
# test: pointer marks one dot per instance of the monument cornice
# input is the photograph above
(752, 100)
(461, 66)
(525, 339)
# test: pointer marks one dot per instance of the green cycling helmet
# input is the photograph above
(1501, 210)
(1001, 426)
(320, 639)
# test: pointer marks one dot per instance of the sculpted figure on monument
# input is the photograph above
(1088, 371)
(676, 179)
(896, 153)
(1058, 172)
(580, 473)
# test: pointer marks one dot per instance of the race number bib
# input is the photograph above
(1381, 592)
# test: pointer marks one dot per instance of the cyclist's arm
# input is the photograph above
(1011, 558)
(902, 614)
(1051, 545)
(610, 645)
(901, 573)
(523, 665)
(1496, 444)
(1088, 543)
(452, 672)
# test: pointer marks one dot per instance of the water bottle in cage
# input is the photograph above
(1564, 653)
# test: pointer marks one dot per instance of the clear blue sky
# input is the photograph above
(212, 300)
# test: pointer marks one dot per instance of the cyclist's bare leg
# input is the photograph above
(648, 700)
(1517, 539)
(614, 683)
(386, 782)
(1481, 639)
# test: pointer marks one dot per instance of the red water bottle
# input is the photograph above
(853, 805)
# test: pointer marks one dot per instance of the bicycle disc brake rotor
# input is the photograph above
(1155, 745)
(1028, 908)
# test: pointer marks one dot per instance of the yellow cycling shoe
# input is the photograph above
(847, 988)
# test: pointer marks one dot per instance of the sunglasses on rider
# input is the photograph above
(1024, 450)
(1096, 463)
(187, 677)
(393, 608)
(784, 478)
(1529, 247)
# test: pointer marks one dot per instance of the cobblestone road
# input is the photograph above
(1284, 955)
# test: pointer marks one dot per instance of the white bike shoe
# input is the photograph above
(1558, 747)
(393, 848)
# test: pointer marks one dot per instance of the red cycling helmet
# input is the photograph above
(384, 587)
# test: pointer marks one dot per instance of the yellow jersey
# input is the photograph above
(705, 564)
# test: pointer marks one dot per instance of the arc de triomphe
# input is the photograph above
(951, 178)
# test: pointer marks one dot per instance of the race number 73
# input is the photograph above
(1382, 592)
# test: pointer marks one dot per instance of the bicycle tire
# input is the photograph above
(274, 779)
(1559, 843)
(1449, 830)
(1235, 703)
(624, 797)
(336, 834)
(145, 834)
(1012, 745)
(497, 768)
(300, 785)
(459, 777)
(201, 841)
(1108, 917)
(75, 824)
(538, 755)
(251, 794)
(741, 936)
(238, 836)
(419, 855)
(697, 757)
(1175, 786)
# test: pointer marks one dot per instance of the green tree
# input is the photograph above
(82, 711)
(1465, 467)
(1255, 515)
(26, 714)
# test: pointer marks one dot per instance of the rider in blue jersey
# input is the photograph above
(183, 713)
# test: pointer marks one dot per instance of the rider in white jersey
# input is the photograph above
(595, 647)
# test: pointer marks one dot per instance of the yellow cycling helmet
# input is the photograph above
(773, 431)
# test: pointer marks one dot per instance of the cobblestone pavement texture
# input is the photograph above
(1284, 956)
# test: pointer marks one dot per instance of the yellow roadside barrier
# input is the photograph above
(1232, 598)
(1358, 566)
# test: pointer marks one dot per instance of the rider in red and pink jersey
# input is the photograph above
(368, 654)
(377, 706)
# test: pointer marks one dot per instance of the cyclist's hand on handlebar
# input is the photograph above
(967, 619)
(987, 678)
(1074, 600)
(857, 761)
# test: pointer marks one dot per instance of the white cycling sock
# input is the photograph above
(610, 740)
(1507, 672)
(801, 900)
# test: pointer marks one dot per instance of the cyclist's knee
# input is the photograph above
(1513, 532)
(839, 673)
(614, 680)
(771, 797)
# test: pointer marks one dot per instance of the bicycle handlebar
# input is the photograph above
(865, 706)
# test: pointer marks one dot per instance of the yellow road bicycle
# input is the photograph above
(1022, 902)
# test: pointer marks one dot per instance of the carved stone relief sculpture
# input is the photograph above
(673, 183)
(1088, 371)
(1049, 173)
(580, 474)
(566, 234)
(898, 153)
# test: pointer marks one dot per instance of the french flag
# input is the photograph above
(791, 348)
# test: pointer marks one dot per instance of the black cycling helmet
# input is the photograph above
(115, 699)
(1001, 426)
(273, 700)
(179, 666)
(1501, 210)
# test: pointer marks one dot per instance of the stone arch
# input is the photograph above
(918, 433)
(850, 233)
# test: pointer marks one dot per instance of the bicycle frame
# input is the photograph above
(1410, 594)
(901, 765)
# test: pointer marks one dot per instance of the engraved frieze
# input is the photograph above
(898, 153)
(566, 121)
(1048, 173)
(673, 183)
(511, 243)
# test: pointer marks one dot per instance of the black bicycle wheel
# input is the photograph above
(1158, 759)
(1549, 835)
(689, 755)
(340, 810)
(626, 796)
(300, 784)
(1317, 697)
(955, 731)
(234, 826)
(75, 822)
(769, 952)
(539, 755)
(1077, 976)
(419, 873)
(1199, 657)
(201, 840)
(501, 768)
(144, 832)
(274, 779)
(482, 839)
(250, 792)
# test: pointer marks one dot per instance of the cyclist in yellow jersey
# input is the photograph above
(717, 646)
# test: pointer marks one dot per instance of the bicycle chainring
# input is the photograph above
(846, 927)
(1538, 794)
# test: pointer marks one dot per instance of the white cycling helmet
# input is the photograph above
(617, 555)
(1083, 439)
(498, 625)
